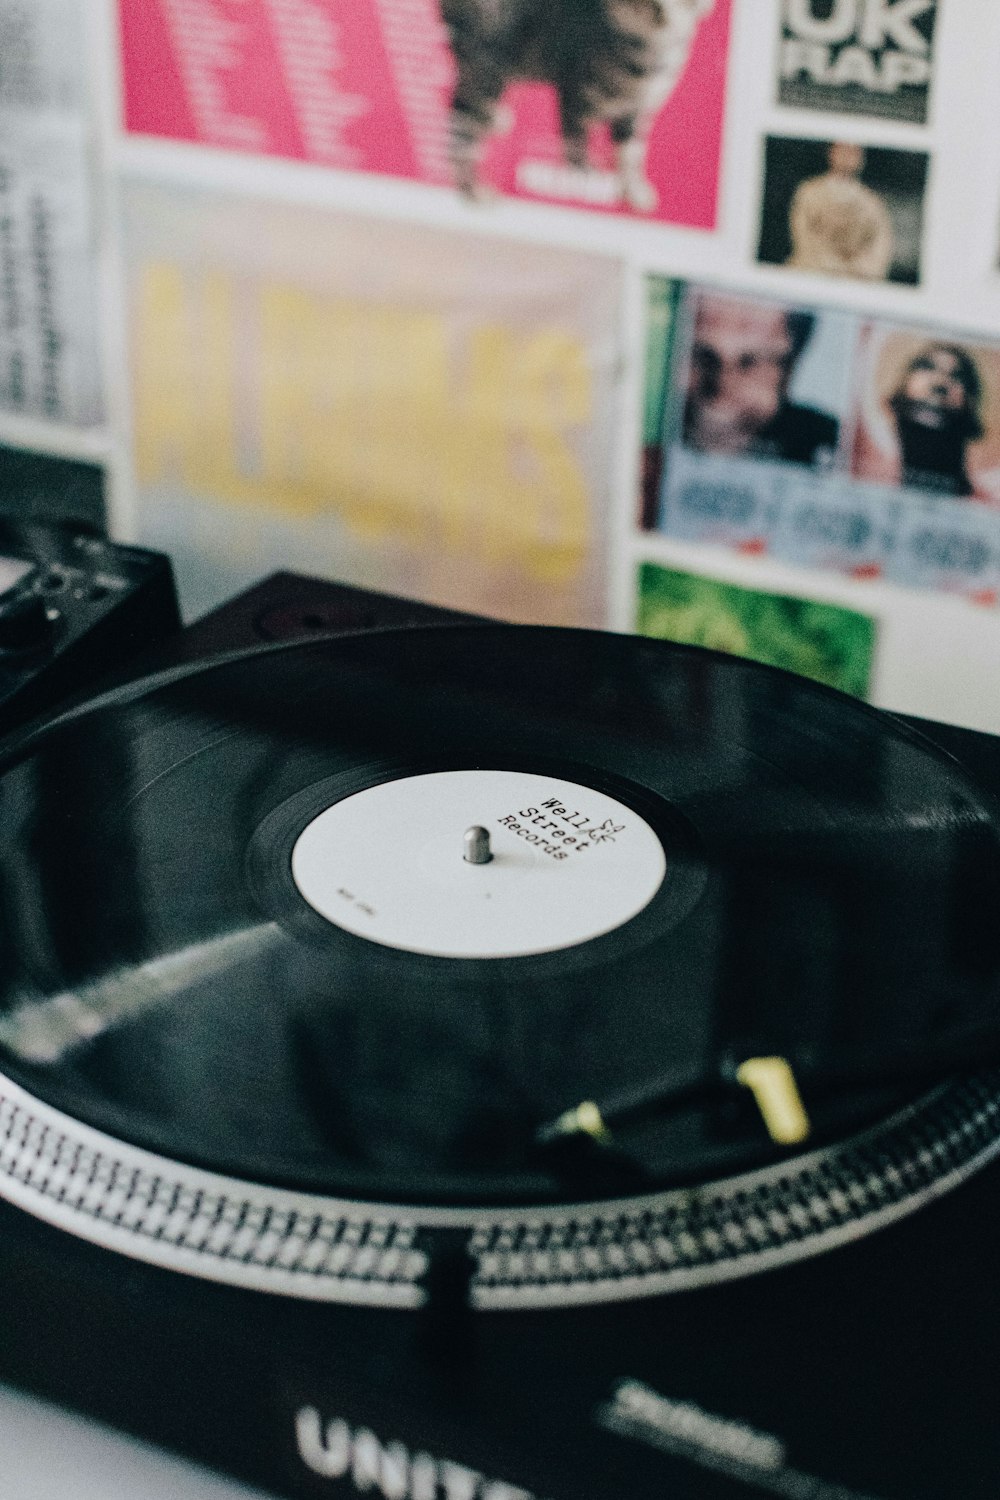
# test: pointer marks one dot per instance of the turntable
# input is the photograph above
(494, 1062)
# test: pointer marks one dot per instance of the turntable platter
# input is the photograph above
(241, 936)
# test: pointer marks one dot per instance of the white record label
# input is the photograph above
(568, 864)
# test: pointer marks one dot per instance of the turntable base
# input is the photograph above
(817, 1321)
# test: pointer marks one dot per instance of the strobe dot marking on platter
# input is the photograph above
(555, 863)
(326, 1249)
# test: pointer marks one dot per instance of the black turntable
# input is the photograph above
(486, 1062)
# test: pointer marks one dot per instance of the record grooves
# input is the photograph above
(378, 1255)
(264, 1022)
(173, 985)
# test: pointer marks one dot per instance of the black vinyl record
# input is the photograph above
(829, 897)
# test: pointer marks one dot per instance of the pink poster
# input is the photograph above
(610, 105)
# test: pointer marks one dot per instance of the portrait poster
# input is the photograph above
(825, 440)
(398, 412)
(853, 57)
(759, 394)
(826, 642)
(428, 90)
(761, 378)
(840, 209)
(928, 413)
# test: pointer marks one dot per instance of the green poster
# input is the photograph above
(661, 306)
(662, 296)
(823, 641)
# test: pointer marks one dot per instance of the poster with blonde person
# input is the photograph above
(841, 209)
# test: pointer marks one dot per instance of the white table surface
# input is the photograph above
(48, 1454)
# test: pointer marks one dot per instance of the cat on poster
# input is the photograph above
(615, 106)
(865, 57)
(842, 209)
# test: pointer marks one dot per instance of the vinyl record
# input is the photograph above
(241, 927)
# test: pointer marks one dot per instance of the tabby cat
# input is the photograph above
(613, 61)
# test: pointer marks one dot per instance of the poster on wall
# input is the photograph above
(841, 209)
(662, 295)
(406, 413)
(855, 57)
(622, 116)
(826, 642)
(48, 349)
(827, 440)
(929, 413)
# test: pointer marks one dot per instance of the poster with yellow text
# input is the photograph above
(416, 412)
